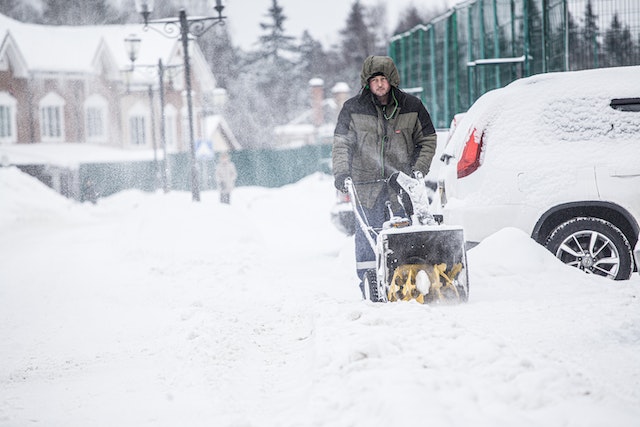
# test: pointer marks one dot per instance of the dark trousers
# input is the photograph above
(365, 255)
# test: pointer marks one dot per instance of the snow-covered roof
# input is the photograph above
(84, 49)
(53, 48)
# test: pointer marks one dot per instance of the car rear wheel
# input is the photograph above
(593, 245)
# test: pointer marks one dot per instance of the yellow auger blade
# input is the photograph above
(403, 284)
(393, 289)
(440, 270)
(409, 285)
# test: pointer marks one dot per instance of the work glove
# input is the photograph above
(339, 182)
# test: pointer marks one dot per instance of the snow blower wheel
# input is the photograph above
(370, 282)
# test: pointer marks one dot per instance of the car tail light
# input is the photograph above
(470, 160)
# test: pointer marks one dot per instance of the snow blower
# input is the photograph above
(417, 257)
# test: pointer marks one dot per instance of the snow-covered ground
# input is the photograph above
(152, 310)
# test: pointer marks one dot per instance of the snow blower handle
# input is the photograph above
(368, 231)
(417, 205)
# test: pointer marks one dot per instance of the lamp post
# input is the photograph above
(188, 27)
(132, 44)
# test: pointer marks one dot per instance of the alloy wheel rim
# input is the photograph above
(591, 252)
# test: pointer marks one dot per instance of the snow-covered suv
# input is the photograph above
(558, 156)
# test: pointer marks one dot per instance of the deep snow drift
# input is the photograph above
(152, 310)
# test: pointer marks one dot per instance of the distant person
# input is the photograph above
(380, 131)
(226, 175)
(89, 192)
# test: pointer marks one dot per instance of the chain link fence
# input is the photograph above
(482, 45)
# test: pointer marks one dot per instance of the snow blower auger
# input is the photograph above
(417, 258)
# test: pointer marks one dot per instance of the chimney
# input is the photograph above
(340, 93)
(317, 97)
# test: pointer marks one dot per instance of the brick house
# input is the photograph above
(74, 86)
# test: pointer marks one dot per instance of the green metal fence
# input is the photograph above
(481, 45)
(265, 168)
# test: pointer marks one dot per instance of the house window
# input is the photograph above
(5, 121)
(138, 117)
(51, 118)
(6, 131)
(7, 118)
(51, 122)
(95, 123)
(136, 126)
(96, 118)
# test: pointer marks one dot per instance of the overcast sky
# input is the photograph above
(323, 18)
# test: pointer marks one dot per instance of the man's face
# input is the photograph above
(379, 86)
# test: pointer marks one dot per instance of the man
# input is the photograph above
(379, 131)
(226, 175)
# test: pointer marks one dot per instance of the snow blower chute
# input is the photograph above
(417, 258)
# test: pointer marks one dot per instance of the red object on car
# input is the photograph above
(470, 160)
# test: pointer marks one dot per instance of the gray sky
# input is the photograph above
(323, 18)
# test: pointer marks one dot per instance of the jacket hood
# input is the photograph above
(379, 64)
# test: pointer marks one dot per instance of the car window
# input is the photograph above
(591, 118)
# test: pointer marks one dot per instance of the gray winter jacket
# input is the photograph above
(369, 147)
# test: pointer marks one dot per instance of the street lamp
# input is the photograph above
(189, 27)
(132, 44)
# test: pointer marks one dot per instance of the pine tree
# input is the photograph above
(19, 10)
(217, 47)
(314, 62)
(409, 19)
(275, 42)
(618, 44)
(162, 9)
(592, 48)
(270, 90)
(375, 17)
(536, 37)
(358, 42)
(574, 43)
(79, 12)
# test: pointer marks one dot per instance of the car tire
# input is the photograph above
(593, 245)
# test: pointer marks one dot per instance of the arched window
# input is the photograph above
(52, 118)
(7, 118)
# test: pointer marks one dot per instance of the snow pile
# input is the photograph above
(523, 257)
(149, 309)
(27, 200)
